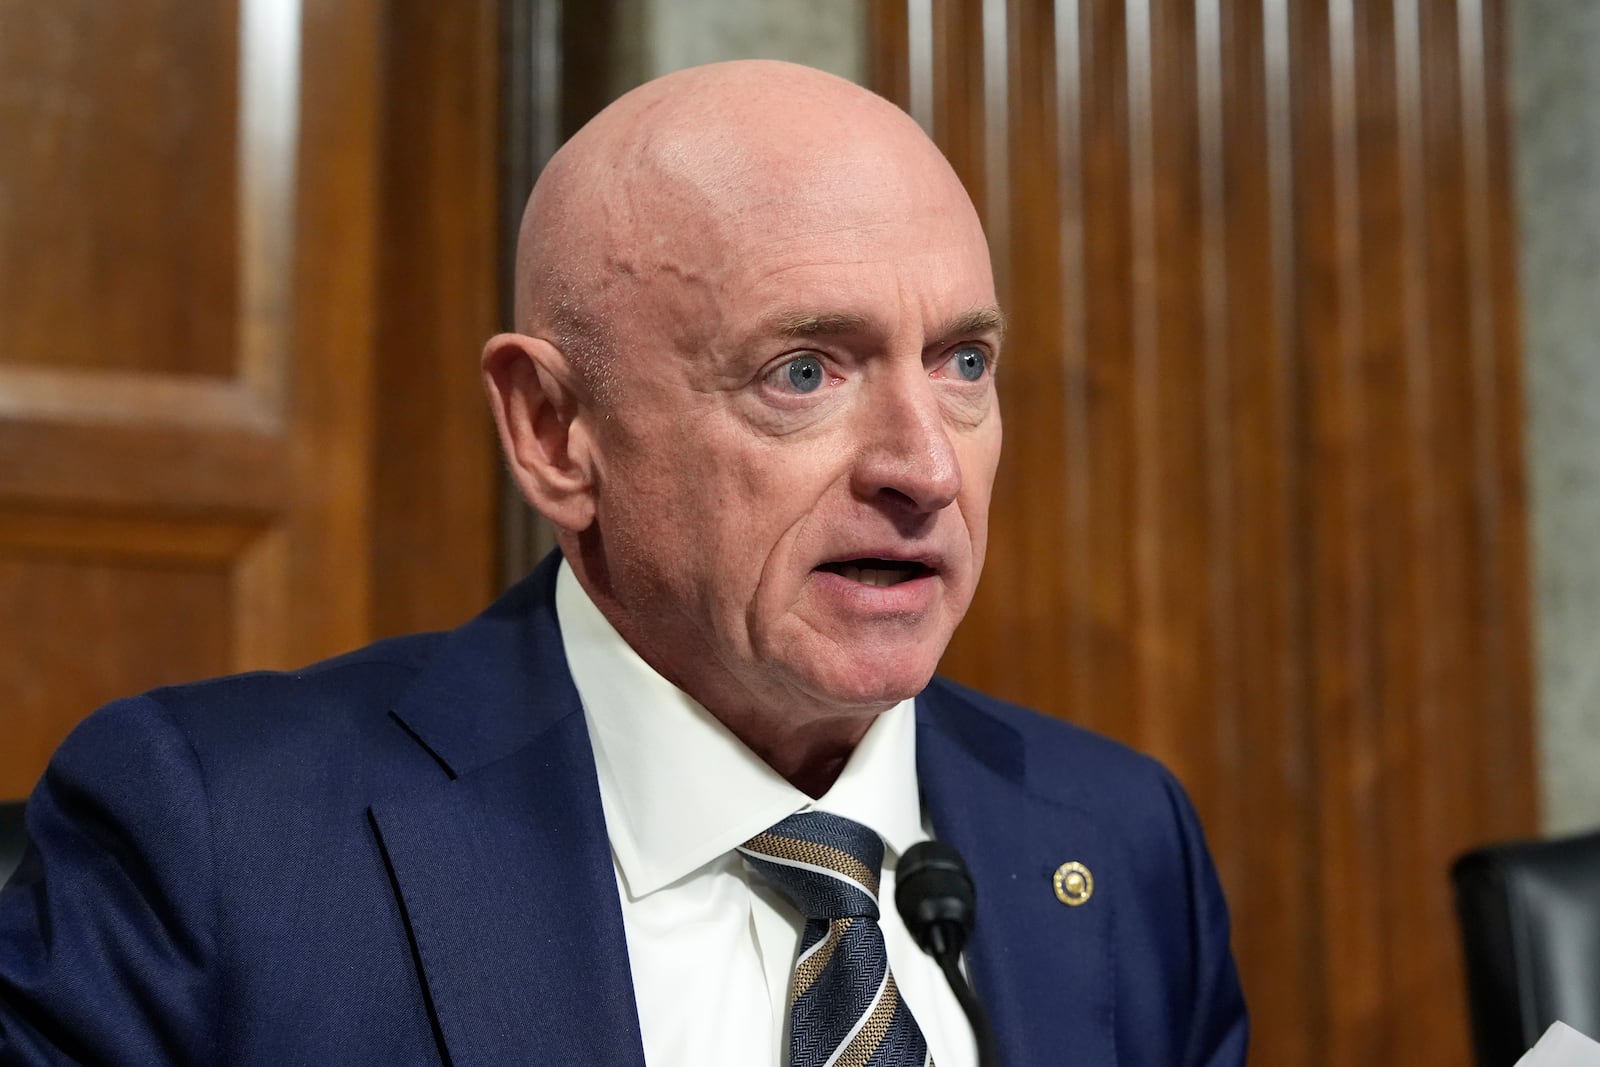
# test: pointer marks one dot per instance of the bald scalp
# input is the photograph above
(623, 237)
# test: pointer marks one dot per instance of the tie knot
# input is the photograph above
(825, 864)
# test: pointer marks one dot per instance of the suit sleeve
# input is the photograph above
(106, 930)
(1219, 1028)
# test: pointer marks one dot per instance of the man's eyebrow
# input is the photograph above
(988, 319)
(817, 324)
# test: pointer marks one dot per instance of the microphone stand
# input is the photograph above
(935, 897)
(950, 964)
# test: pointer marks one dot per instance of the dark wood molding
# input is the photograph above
(558, 69)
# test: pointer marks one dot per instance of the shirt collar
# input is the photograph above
(679, 789)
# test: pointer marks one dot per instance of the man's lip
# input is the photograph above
(927, 561)
(905, 567)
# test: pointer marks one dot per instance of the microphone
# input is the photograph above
(935, 897)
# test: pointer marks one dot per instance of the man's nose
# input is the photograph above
(907, 455)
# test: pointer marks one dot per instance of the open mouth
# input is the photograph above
(878, 572)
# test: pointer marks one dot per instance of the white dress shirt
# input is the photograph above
(711, 948)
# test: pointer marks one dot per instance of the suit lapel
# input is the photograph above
(502, 865)
(1045, 971)
(506, 882)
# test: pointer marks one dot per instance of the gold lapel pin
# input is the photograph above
(1074, 884)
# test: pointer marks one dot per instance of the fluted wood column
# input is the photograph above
(1261, 508)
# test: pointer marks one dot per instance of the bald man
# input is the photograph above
(752, 387)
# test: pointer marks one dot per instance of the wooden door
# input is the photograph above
(1261, 508)
(247, 254)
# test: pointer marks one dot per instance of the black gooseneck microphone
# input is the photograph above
(935, 897)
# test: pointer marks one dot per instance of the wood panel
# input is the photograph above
(247, 259)
(193, 359)
(98, 195)
(1261, 511)
(159, 586)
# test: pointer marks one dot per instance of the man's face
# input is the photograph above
(795, 472)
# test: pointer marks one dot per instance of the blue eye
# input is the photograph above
(804, 374)
(970, 362)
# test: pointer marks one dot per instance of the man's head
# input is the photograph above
(752, 388)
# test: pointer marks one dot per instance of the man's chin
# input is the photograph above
(872, 684)
(843, 668)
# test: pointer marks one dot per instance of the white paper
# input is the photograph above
(1562, 1046)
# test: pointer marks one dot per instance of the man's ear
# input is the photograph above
(535, 396)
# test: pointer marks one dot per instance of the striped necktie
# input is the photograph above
(844, 1008)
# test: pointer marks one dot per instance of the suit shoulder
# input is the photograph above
(336, 708)
(1056, 743)
(355, 680)
(1130, 792)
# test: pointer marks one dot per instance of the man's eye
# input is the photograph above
(803, 374)
(969, 362)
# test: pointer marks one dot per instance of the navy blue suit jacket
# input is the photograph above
(399, 857)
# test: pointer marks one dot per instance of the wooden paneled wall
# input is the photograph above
(1261, 508)
(247, 258)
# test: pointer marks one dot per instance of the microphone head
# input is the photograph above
(935, 896)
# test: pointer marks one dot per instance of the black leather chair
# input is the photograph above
(12, 838)
(1530, 927)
